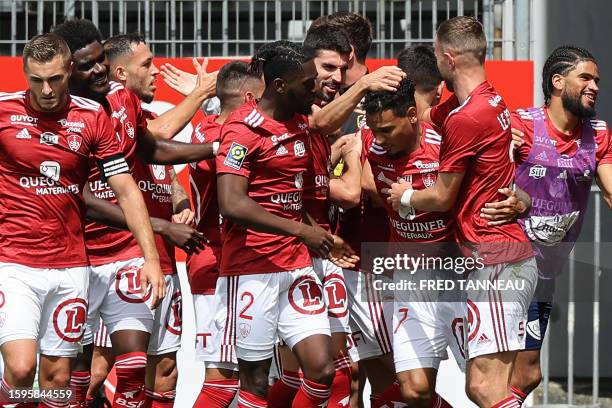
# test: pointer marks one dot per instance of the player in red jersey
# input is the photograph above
(62, 132)
(570, 80)
(112, 253)
(474, 166)
(266, 274)
(236, 85)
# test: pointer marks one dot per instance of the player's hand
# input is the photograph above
(384, 79)
(517, 137)
(353, 144)
(206, 83)
(395, 193)
(506, 211)
(184, 236)
(342, 254)
(186, 216)
(151, 274)
(317, 239)
(181, 81)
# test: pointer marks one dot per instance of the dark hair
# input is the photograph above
(232, 76)
(45, 47)
(277, 59)
(78, 33)
(419, 63)
(561, 61)
(399, 101)
(357, 28)
(326, 37)
(120, 45)
(463, 35)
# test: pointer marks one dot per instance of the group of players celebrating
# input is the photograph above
(309, 156)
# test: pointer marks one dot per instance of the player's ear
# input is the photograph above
(249, 96)
(411, 113)
(120, 73)
(279, 85)
(558, 82)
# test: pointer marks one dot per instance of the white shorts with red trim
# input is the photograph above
(425, 324)
(168, 320)
(497, 318)
(102, 337)
(334, 289)
(209, 311)
(263, 307)
(43, 304)
(370, 317)
(115, 295)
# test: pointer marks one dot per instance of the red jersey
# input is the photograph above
(565, 144)
(366, 222)
(106, 244)
(420, 168)
(477, 142)
(44, 165)
(203, 267)
(273, 156)
(316, 180)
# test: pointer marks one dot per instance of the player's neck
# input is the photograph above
(273, 109)
(562, 119)
(468, 79)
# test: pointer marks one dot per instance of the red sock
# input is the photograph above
(5, 392)
(79, 384)
(508, 402)
(311, 395)
(159, 399)
(248, 400)
(281, 394)
(130, 369)
(518, 394)
(389, 396)
(341, 386)
(217, 394)
(439, 402)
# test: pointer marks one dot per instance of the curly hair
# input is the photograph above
(398, 101)
(561, 61)
(278, 59)
(78, 33)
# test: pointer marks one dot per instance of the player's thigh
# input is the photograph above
(211, 320)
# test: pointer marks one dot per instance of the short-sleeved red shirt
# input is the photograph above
(316, 180)
(273, 156)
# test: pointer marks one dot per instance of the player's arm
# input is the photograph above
(368, 185)
(333, 115)
(168, 124)
(236, 206)
(181, 205)
(107, 213)
(437, 114)
(604, 181)
(440, 197)
(161, 151)
(517, 204)
(345, 190)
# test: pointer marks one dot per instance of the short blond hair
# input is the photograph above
(463, 35)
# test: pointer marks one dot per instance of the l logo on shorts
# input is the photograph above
(69, 319)
(306, 297)
(128, 287)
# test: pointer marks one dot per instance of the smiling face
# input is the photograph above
(331, 74)
(300, 89)
(579, 89)
(48, 83)
(395, 134)
(140, 72)
(90, 72)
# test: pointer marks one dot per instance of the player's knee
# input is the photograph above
(476, 389)
(417, 392)
(55, 378)
(23, 372)
(532, 378)
(322, 373)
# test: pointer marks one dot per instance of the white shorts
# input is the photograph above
(424, 324)
(167, 325)
(48, 305)
(116, 296)
(370, 317)
(102, 337)
(264, 307)
(497, 318)
(209, 310)
(334, 289)
(168, 320)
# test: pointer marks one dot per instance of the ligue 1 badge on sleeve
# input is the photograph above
(235, 156)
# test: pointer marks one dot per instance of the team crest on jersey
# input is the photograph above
(50, 169)
(429, 180)
(74, 142)
(129, 129)
(159, 171)
(299, 149)
(299, 180)
(235, 156)
(244, 329)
